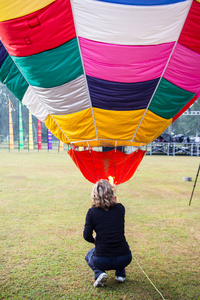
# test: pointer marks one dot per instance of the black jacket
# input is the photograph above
(109, 228)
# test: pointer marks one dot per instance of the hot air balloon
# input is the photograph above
(102, 73)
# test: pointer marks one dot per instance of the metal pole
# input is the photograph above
(194, 185)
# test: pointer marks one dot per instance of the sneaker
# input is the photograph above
(120, 279)
(100, 280)
(100, 284)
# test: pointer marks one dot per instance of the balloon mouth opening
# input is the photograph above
(113, 165)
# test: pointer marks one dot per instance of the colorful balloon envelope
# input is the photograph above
(102, 72)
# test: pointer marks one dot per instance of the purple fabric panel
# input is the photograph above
(3, 54)
(184, 69)
(120, 96)
(124, 63)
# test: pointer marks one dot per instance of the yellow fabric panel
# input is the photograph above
(112, 126)
(117, 125)
(53, 127)
(151, 127)
(12, 9)
(78, 126)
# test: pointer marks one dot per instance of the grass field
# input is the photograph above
(43, 203)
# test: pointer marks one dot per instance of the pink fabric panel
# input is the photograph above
(184, 69)
(124, 63)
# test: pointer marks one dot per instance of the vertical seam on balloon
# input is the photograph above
(40, 100)
(161, 74)
(75, 25)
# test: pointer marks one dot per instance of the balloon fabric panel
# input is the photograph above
(124, 63)
(122, 126)
(3, 54)
(12, 78)
(65, 99)
(53, 126)
(190, 34)
(120, 96)
(76, 127)
(169, 99)
(183, 69)
(42, 30)
(34, 104)
(151, 126)
(117, 125)
(129, 24)
(53, 67)
(11, 9)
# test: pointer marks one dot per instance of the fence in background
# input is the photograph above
(174, 149)
(155, 148)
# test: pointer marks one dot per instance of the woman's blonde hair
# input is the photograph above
(103, 194)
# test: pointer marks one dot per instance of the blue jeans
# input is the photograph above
(101, 263)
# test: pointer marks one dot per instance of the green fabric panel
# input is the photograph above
(169, 99)
(53, 67)
(12, 78)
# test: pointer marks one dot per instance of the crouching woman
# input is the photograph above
(106, 219)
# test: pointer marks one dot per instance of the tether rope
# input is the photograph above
(148, 278)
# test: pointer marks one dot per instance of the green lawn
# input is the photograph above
(43, 202)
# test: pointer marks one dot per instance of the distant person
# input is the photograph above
(106, 218)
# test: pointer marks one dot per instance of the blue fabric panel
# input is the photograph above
(120, 96)
(143, 2)
(3, 54)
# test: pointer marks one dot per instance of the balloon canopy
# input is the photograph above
(102, 72)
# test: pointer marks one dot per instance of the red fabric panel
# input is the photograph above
(42, 30)
(99, 165)
(190, 35)
(184, 108)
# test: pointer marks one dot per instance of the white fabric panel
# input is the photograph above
(33, 103)
(129, 24)
(65, 99)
